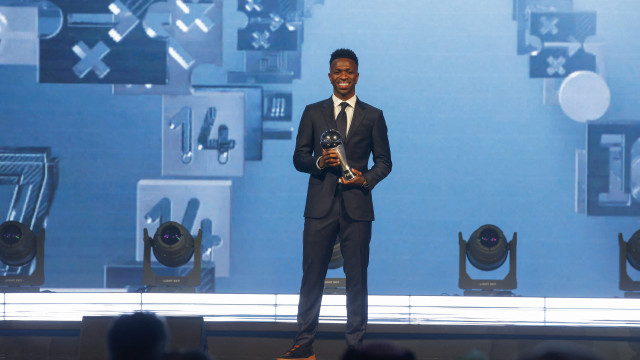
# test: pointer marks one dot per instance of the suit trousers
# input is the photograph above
(318, 238)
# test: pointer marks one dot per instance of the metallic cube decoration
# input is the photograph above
(203, 135)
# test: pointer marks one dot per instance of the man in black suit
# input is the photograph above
(337, 207)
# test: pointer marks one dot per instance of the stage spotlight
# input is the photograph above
(173, 246)
(629, 252)
(18, 247)
(487, 250)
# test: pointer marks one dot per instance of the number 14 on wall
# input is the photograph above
(202, 135)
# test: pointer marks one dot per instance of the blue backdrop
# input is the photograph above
(476, 138)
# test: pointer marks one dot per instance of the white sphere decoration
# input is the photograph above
(584, 96)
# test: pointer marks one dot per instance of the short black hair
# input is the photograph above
(343, 54)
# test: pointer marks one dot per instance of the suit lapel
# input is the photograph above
(358, 116)
(327, 112)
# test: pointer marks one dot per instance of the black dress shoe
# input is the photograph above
(298, 352)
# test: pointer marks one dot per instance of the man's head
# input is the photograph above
(343, 73)
(140, 335)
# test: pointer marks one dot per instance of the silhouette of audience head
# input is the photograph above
(379, 350)
(560, 350)
(139, 336)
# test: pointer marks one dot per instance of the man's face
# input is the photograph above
(344, 77)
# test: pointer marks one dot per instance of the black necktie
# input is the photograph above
(341, 120)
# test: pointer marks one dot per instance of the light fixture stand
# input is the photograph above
(171, 284)
(487, 287)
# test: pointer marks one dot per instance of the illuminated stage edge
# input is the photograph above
(401, 310)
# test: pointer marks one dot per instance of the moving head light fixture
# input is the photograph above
(173, 246)
(487, 250)
(629, 253)
(18, 247)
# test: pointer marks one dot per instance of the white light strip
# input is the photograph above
(422, 310)
(593, 312)
(286, 299)
(213, 307)
(591, 303)
(67, 306)
(477, 310)
(477, 302)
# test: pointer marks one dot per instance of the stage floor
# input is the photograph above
(48, 325)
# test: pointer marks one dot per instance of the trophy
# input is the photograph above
(331, 139)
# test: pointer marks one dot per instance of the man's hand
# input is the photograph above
(358, 181)
(329, 158)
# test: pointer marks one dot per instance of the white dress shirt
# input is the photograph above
(349, 110)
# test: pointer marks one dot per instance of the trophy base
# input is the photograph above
(348, 175)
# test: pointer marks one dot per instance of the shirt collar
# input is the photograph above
(351, 101)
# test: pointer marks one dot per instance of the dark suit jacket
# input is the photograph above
(367, 136)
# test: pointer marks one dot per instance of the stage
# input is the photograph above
(49, 325)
